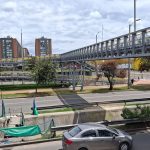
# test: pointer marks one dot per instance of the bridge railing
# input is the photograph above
(135, 44)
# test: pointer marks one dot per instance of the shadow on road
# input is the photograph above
(80, 116)
(68, 99)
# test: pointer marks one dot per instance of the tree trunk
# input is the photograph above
(36, 87)
(110, 84)
(96, 71)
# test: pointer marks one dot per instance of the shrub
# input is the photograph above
(141, 112)
(32, 86)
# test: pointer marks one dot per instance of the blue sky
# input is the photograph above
(70, 24)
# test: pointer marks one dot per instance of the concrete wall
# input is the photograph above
(72, 117)
(95, 114)
(82, 116)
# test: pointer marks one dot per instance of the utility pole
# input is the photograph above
(129, 59)
(97, 36)
(22, 53)
(21, 45)
(134, 15)
(102, 32)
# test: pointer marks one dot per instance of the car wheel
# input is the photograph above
(83, 148)
(124, 146)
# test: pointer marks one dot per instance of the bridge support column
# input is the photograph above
(143, 41)
(69, 77)
(74, 82)
(61, 65)
(82, 75)
(129, 80)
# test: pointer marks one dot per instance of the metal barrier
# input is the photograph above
(105, 122)
(91, 104)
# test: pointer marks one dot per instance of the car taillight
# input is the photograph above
(68, 142)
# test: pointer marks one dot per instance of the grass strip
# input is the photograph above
(57, 110)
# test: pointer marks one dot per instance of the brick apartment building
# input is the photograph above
(26, 52)
(43, 46)
(9, 48)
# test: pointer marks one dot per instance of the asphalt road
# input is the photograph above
(25, 104)
(141, 141)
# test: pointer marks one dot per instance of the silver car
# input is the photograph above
(92, 136)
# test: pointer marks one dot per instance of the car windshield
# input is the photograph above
(113, 130)
(74, 131)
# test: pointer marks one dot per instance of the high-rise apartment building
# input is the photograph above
(43, 46)
(9, 48)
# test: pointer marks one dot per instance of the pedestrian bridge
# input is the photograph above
(135, 44)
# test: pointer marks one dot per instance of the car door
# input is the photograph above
(105, 141)
(87, 139)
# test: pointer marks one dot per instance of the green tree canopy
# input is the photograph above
(43, 70)
(145, 64)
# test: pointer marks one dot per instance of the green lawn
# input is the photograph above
(58, 91)
(141, 87)
(57, 110)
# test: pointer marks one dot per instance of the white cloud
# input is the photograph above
(70, 23)
(95, 14)
(9, 6)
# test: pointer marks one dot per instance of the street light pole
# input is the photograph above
(97, 36)
(96, 42)
(22, 51)
(102, 32)
(135, 15)
(21, 45)
(129, 61)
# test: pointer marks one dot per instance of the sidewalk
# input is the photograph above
(142, 81)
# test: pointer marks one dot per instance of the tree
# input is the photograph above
(97, 64)
(109, 69)
(31, 63)
(141, 64)
(145, 64)
(136, 64)
(43, 71)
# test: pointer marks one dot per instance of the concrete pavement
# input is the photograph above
(15, 105)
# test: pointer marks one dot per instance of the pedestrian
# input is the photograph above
(132, 81)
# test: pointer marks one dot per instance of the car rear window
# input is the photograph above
(74, 131)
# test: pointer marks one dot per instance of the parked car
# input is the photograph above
(92, 136)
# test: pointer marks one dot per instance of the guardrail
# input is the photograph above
(107, 123)
(90, 104)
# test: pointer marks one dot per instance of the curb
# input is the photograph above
(137, 130)
(28, 143)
